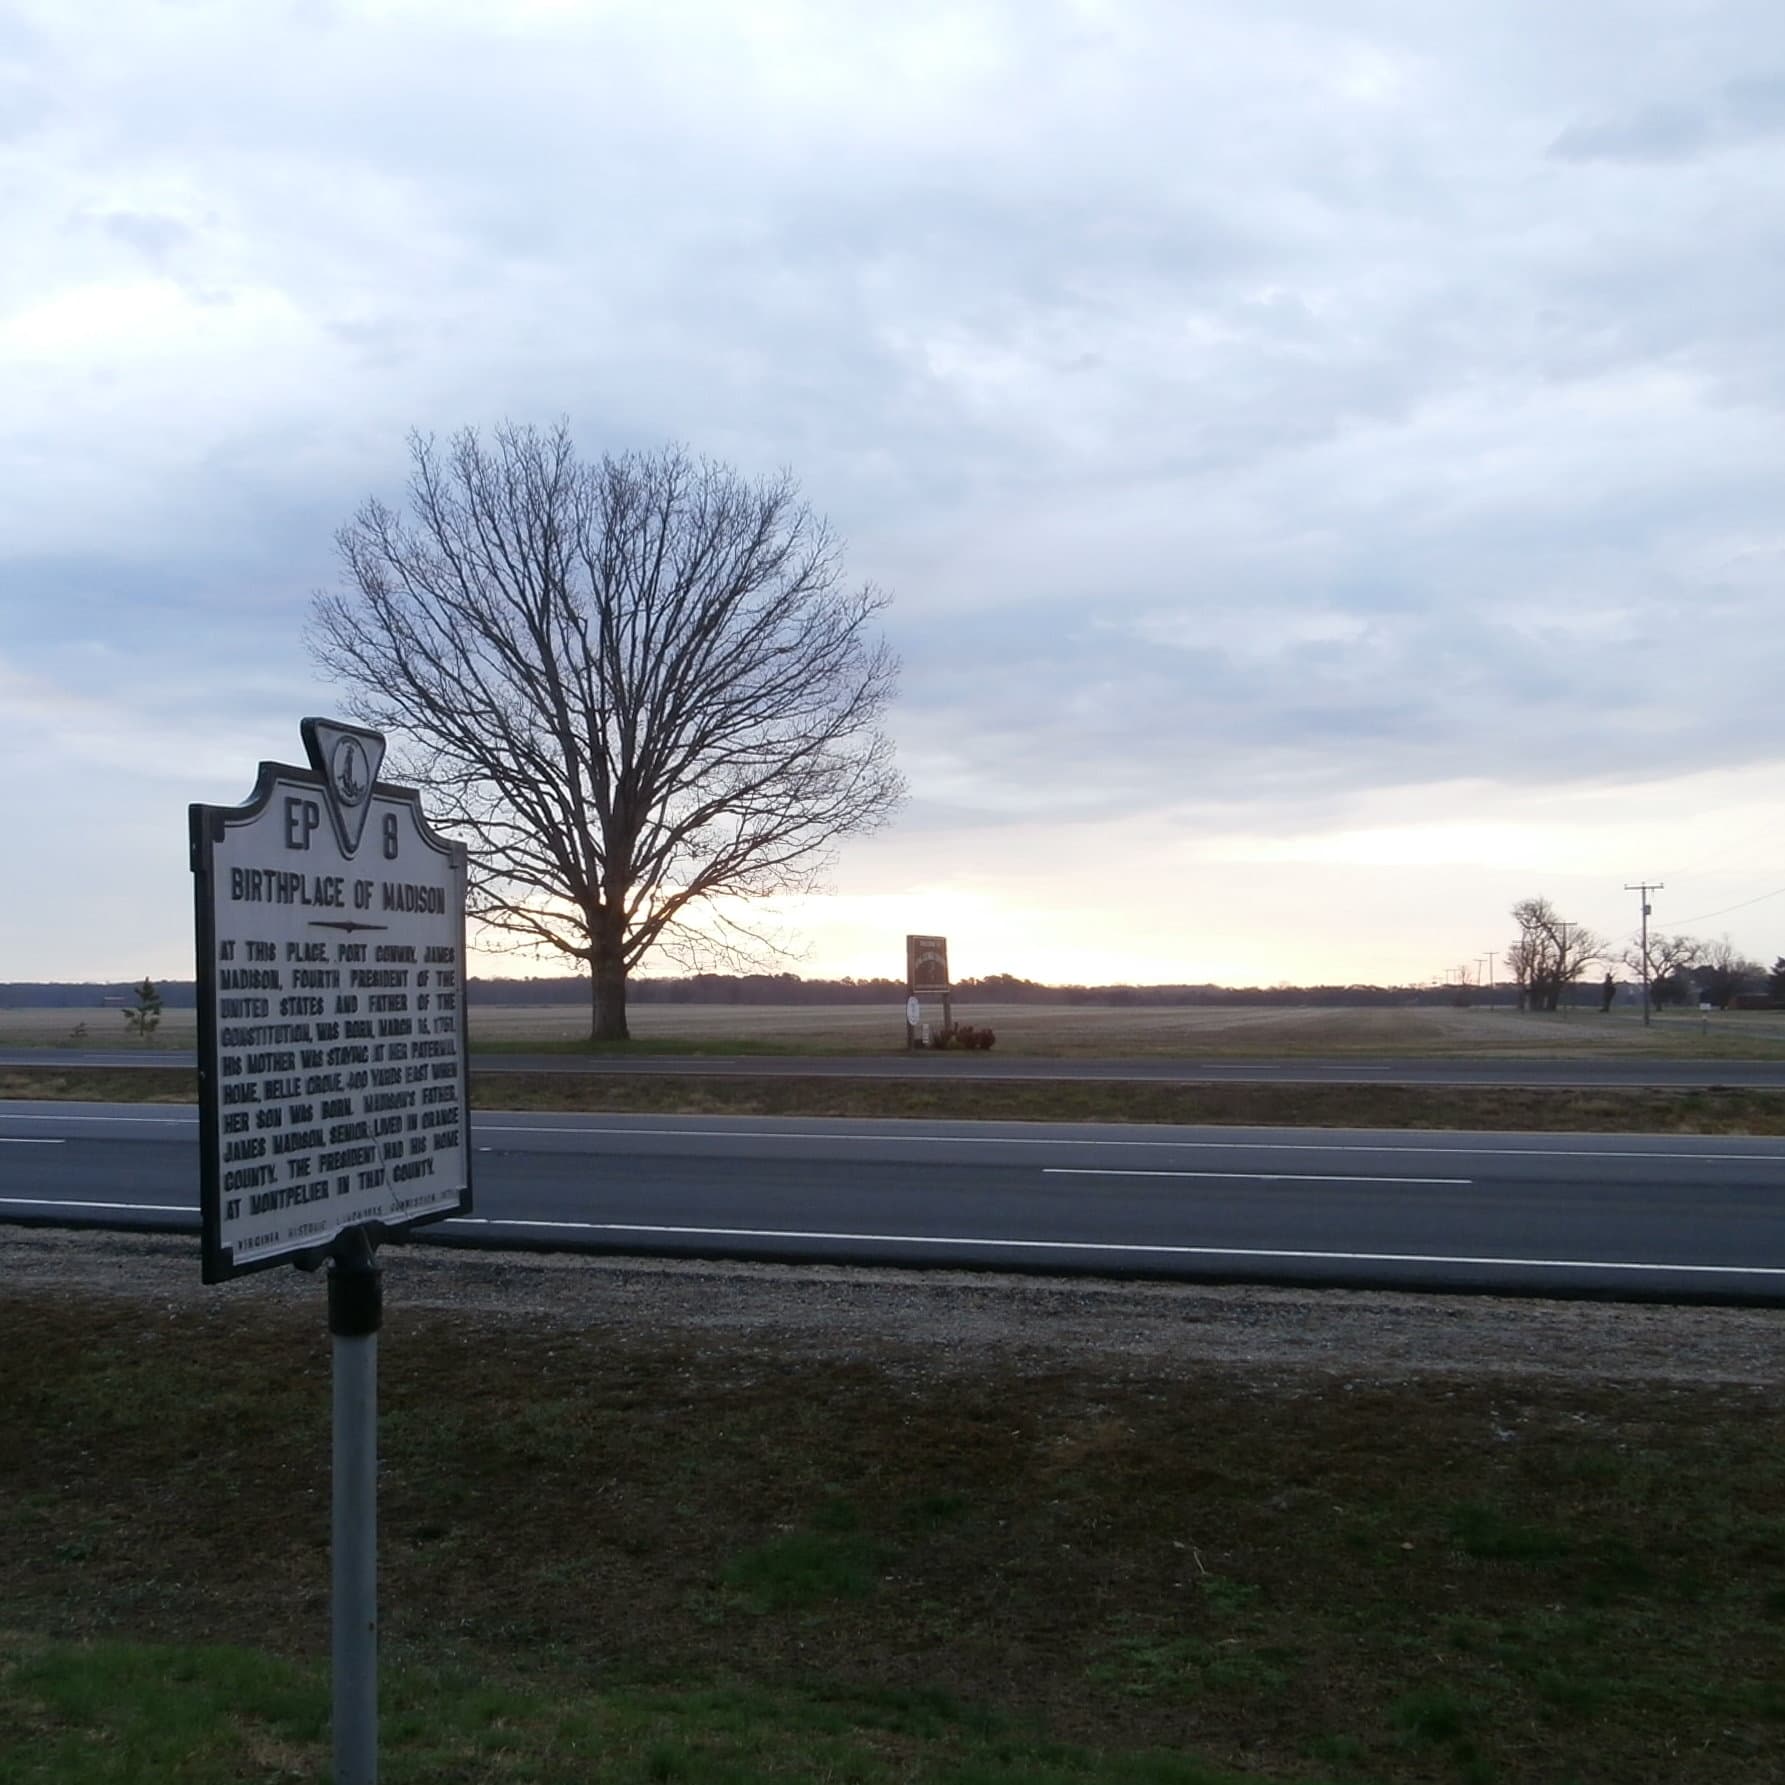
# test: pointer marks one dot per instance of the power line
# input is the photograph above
(1760, 898)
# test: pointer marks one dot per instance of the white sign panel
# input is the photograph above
(331, 960)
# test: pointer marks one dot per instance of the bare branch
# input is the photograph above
(638, 688)
(1549, 953)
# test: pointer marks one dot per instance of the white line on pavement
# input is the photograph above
(482, 1126)
(188, 1120)
(1250, 1177)
(47, 1202)
(1184, 1146)
(926, 1239)
(1135, 1248)
(29, 1140)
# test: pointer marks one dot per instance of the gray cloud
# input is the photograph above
(1246, 412)
(1744, 110)
(1656, 133)
(155, 237)
(1755, 104)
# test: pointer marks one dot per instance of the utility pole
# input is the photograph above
(1564, 926)
(1490, 978)
(1645, 887)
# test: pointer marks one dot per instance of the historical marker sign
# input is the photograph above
(926, 964)
(331, 1009)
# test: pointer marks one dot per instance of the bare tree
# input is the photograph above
(1671, 960)
(1722, 970)
(1523, 959)
(1549, 954)
(638, 687)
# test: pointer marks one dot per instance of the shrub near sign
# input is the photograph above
(331, 1012)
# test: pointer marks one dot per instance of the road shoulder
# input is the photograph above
(941, 1323)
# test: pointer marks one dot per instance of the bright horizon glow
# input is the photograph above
(1375, 903)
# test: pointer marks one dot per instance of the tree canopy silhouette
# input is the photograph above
(1549, 953)
(638, 686)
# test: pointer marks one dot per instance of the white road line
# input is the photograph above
(1249, 1177)
(47, 1202)
(483, 1127)
(928, 1239)
(29, 1140)
(1134, 1248)
(1184, 1146)
(186, 1121)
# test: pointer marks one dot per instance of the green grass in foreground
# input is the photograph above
(1617, 1109)
(119, 1713)
(615, 1552)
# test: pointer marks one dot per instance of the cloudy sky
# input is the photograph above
(1328, 456)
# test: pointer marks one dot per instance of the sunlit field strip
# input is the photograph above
(1067, 1030)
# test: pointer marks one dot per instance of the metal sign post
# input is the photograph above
(333, 1104)
(355, 1312)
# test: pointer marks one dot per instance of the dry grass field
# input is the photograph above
(74, 1027)
(1056, 1030)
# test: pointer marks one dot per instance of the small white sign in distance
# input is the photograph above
(331, 1008)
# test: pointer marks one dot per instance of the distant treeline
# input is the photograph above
(25, 994)
(995, 988)
(790, 988)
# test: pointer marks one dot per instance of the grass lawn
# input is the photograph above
(625, 1552)
(1056, 1031)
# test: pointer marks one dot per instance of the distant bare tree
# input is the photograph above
(1723, 970)
(636, 686)
(1522, 962)
(1671, 960)
(1548, 954)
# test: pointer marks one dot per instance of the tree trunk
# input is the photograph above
(607, 983)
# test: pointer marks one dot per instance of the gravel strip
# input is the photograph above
(941, 1322)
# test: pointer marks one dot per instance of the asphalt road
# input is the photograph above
(1545, 1214)
(1555, 1074)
